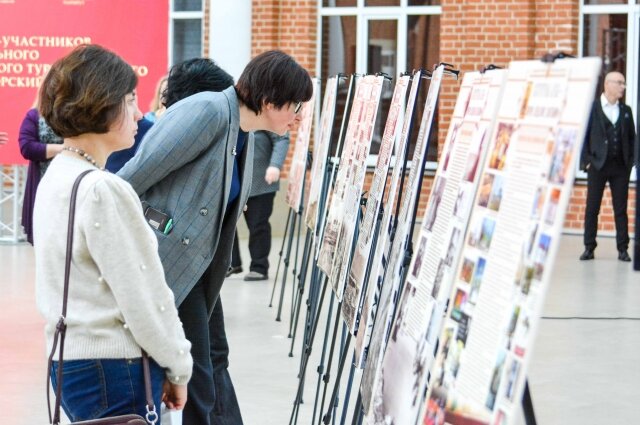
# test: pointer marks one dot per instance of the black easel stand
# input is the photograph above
(315, 303)
(358, 414)
(290, 232)
(294, 272)
(527, 405)
(347, 395)
(327, 375)
(284, 238)
(306, 356)
(301, 283)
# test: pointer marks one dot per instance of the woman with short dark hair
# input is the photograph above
(119, 302)
(195, 166)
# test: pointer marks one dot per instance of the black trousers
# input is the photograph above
(259, 209)
(211, 396)
(618, 177)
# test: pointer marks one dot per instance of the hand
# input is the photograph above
(272, 175)
(4, 137)
(174, 395)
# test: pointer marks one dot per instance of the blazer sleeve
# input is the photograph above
(180, 136)
(30, 146)
(280, 146)
(585, 155)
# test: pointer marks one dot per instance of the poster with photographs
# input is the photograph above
(500, 283)
(391, 276)
(365, 251)
(345, 200)
(299, 159)
(320, 153)
(351, 299)
(400, 383)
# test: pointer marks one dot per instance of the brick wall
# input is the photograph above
(473, 33)
(290, 26)
(478, 32)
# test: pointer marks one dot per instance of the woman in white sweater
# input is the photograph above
(119, 302)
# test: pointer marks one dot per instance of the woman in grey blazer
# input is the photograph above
(195, 166)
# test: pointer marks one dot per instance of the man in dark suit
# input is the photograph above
(607, 156)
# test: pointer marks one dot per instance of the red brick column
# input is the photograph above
(290, 26)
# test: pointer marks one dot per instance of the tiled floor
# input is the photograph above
(585, 369)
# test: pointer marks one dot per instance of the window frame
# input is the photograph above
(364, 14)
(184, 15)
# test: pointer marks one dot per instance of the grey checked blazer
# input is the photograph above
(184, 168)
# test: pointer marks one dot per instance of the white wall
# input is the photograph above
(230, 34)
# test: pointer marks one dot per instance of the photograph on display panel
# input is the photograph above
(345, 201)
(342, 254)
(351, 299)
(392, 276)
(320, 153)
(499, 287)
(298, 168)
(365, 248)
(400, 384)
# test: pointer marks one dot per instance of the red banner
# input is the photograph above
(34, 33)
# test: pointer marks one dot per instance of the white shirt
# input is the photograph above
(611, 110)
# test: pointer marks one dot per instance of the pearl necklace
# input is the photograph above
(84, 155)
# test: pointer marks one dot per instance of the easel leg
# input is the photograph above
(527, 406)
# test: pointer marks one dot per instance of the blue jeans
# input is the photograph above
(100, 388)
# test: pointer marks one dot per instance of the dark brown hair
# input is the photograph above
(84, 91)
(273, 77)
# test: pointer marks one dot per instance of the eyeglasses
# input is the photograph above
(618, 82)
(297, 108)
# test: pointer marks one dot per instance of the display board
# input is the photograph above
(321, 152)
(35, 33)
(345, 200)
(400, 383)
(364, 245)
(391, 276)
(298, 168)
(389, 136)
(507, 256)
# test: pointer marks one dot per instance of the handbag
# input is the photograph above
(61, 327)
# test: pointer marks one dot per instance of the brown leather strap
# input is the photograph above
(61, 326)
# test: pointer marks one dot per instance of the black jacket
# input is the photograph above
(594, 149)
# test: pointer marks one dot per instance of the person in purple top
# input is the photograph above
(38, 144)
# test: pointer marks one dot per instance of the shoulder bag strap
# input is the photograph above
(61, 326)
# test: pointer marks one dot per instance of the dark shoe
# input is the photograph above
(253, 276)
(234, 270)
(587, 255)
(624, 256)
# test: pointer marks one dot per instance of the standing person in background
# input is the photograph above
(157, 106)
(270, 153)
(608, 156)
(119, 302)
(38, 144)
(194, 170)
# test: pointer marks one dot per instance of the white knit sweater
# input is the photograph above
(118, 298)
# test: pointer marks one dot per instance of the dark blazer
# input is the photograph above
(184, 168)
(594, 149)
